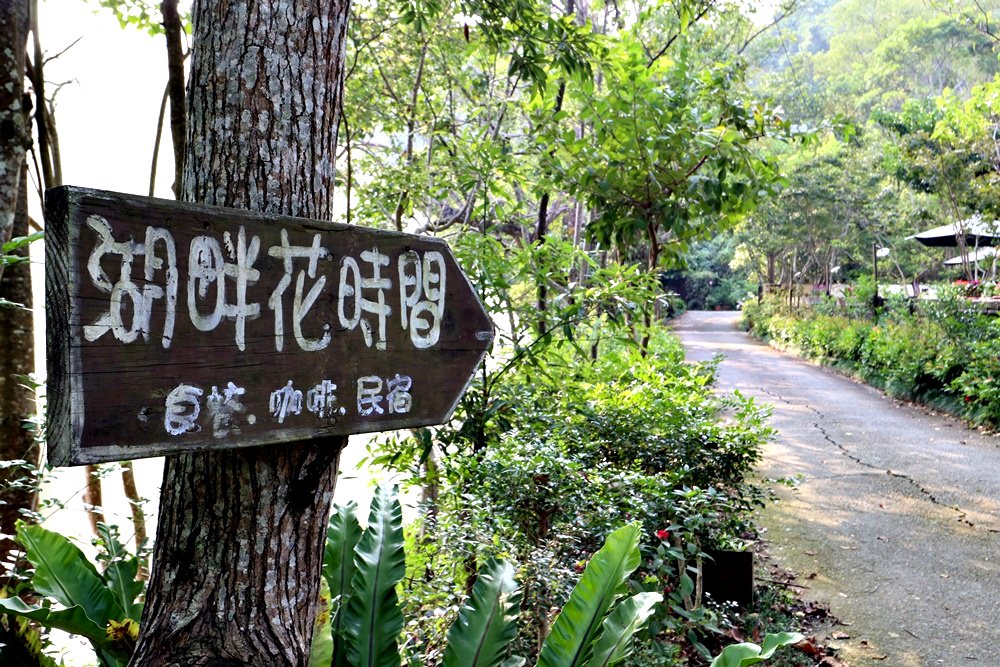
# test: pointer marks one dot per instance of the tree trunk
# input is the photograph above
(239, 543)
(18, 491)
(16, 339)
(15, 133)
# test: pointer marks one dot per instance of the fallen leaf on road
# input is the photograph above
(831, 661)
(810, 647)
(840, 635)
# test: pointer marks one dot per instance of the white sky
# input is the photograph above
(106, 111)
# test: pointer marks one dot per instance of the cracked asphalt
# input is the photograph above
(894, 517)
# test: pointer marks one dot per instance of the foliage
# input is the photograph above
(100, 605)
(942, 351)
(682, 165)
(917, 83)
(745, 654)
(372, 619)
(594, 629)
(10, 256)
(711, 278)
(590, 445)
(139, 14)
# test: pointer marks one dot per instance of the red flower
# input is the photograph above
(580, 566)
(968, 399)
(663, 535)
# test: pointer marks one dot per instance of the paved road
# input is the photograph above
(895, 520)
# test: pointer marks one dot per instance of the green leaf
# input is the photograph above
(578, 626)
(746, 653)
(373, 620)
(120, 574)
(73, 620)
(321, 651)
(19, 242)
(615, 643)
(63, 573)
(342, 535)
(773, 642)
(487, 623)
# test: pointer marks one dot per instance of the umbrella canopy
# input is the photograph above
(977, 233)
(975, 256)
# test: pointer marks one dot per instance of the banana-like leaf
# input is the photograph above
(487, 623)
(342, 535)
(120, 574)
(321, 651)
(578, 626)
(63, 573)
(73, 620)
(615, 643)
(24, 641)
(746, 654)
(372, 618)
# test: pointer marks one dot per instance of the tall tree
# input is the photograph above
(240, 537)
(15, 284)
(15, 132)
(16, 331)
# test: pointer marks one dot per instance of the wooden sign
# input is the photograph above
(174, 327)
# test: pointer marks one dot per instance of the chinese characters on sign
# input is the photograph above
(217, 280)
(183, 406)
(219, 274)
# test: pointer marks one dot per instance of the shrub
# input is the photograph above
(945, 351)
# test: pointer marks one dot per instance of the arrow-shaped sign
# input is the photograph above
(174, 327)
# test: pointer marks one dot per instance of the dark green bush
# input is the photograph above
(946, 351)
(581, 447)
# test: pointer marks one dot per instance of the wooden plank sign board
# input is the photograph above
(174, 327)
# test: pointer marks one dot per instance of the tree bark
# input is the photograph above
(239, 544)
(15, 132)
(17, 403)
(16, 339)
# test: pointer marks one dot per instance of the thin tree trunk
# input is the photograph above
(542, 224)
(240, 533)
(411, 130)
(135, 502)
(41, 120)
(93, 497)
(159, 137)
(174, 29)
(15, 133)
(653, 262)
(16, 339)
(17, 403)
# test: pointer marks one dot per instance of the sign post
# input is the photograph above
(177, 328)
